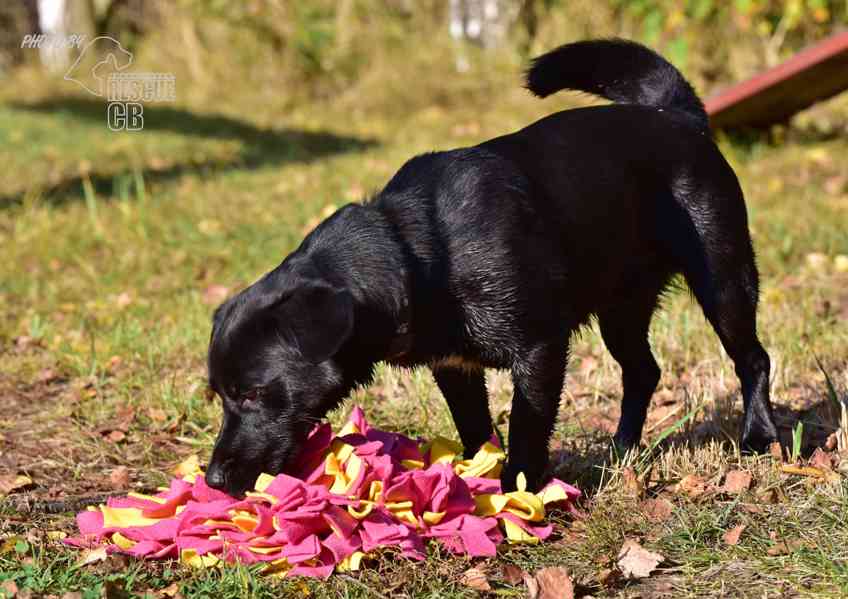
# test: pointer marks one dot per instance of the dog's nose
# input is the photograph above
(215, 477)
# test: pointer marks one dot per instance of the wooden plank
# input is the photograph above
(815, 74)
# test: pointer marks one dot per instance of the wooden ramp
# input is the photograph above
(812, 75)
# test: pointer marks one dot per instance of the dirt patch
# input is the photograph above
(70, 462)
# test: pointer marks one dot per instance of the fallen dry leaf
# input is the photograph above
(692, 485)
(114, 363)
(657, 509)
(189, 465)
(91, 556)
(47, 375)
(821, 459)
(475, 578)
(171, 591)
(784, 547)
(632, 485)
(607, 577)
(72, 595)
(731, 537)
(116, 436)
(737, 481)
(769, 496)
(13, 482)
(8, 544)
(822, 474)
(124, 418)
(123, 300)
(24, 342)
(832, 442)
(635, 561)
(532, 586)
(512, 574)
(776, 451)
(554, 583)
(157, 414)
(119, 478)
(10, 589)
(215, 294)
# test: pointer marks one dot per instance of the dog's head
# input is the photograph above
(271, 361)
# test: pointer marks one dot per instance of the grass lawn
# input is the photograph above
(117, 247)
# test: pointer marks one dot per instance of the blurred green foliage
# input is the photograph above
(774, 23)
(322, 48)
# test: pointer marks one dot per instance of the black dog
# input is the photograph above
(489, 257)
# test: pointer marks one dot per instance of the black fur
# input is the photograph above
(618, 70)
(491, 256)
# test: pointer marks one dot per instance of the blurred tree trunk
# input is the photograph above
(483, 22)
(60, 19)
(17, 19)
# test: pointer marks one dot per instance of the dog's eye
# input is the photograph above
(250, 396)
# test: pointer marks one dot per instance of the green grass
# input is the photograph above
(112, 242)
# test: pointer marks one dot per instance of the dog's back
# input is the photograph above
(491, 256)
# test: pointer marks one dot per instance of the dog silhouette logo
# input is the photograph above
(115, 58)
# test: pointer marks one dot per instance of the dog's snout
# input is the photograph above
(215, 476)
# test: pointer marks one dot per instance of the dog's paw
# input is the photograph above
(758, 439)
(509, 478)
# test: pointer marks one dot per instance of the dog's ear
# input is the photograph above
(319, 316)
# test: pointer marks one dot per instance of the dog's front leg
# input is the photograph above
(465, 391)
(538, 379)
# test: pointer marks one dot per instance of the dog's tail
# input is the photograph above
(618, 70)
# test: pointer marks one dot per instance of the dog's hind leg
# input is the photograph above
(465, 391)
(717, 257)
(625, 332)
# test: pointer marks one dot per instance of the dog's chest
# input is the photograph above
(456, 362)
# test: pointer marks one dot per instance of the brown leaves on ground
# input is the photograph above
(547, 583)
(783, 546)
(116, 429)
(119, 478)
(632, 485)
(736, 482)
(657, 509)
(92, 556)
(731, 537)
(812, 472)
(116, 436)
(9, 588)
(172, 591)
(475, 578)
(215, 294)
(822, 459)
(692, 485)
(635, 561)
(13, 482)
(157, 415)
(550, 583)
(512, 574)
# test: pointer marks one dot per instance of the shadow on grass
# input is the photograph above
(261, 147)
(586, 463)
